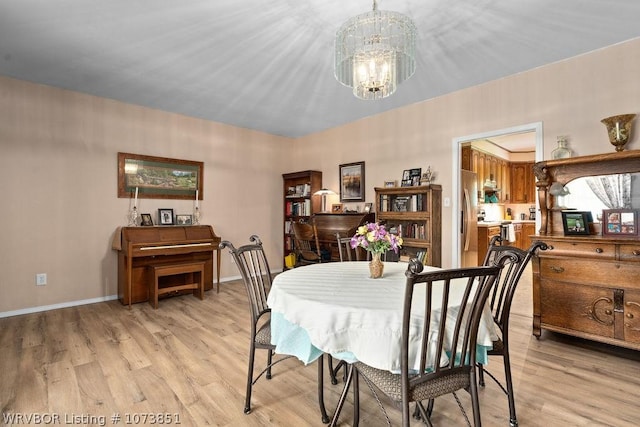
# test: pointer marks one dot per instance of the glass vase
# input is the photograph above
(562, 151)
(376, 266)
(619, 129)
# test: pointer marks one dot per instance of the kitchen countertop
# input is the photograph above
(497, 223)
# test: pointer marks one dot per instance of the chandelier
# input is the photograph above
(374, 52)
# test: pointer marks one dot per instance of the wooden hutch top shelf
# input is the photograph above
(565, 170)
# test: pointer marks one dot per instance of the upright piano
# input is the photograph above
(142, 247)
(329, 224)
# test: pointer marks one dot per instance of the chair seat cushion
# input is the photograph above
(390, 383)
(263, 335)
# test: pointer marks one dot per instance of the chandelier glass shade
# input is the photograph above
(374, 52)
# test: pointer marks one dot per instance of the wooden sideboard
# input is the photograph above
(586, 286)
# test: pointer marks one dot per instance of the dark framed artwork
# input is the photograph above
(146, 220)
(575, 222)
(620, 222)
(184, 219)
(368, 207)
(159, 177)
(352, 182)
(165, 216)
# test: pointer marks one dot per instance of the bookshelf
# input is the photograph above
(414, 213)
(299, 202)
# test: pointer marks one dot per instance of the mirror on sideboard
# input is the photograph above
(611, 174)
(595, 193)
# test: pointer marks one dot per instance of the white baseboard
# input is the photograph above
(41, 308)
(57, 306)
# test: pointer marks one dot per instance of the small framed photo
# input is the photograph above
(411, 177)
(146, 220)
(368, 207)
(575, 222)
(182, 219)
(337, 208)
(620, 222)
(352, 182)
(415, 175)
(390, 183)
(165, 216)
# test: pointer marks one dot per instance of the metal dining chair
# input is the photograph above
(256, 275)
(500, 303)
(346, 252)
(455, 332)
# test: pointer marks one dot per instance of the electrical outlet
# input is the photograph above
(41, 279)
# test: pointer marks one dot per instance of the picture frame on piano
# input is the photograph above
(147, 221)
(184, 219)
(165, 216)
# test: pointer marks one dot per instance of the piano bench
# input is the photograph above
(162, 270)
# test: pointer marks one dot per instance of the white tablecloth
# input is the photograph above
(336, 308)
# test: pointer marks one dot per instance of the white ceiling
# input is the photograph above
(268, 65)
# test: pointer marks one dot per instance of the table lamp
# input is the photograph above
(324, 192)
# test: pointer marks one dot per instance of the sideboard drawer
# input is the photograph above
(593, 272)
(630, 252)
(594, 250)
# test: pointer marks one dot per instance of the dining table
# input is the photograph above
(338, 309)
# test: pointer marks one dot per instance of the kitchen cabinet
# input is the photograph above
(487, 166)
(523, 183)
(528, 230)
(485, 233)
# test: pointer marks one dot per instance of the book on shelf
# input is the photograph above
(401, 204)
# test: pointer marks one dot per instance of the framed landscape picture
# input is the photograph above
(159, 177)
(352, 182)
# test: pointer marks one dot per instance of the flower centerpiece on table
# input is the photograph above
(375, 238)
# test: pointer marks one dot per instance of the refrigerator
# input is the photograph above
(468, 219)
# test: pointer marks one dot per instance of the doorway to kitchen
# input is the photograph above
(501, 135)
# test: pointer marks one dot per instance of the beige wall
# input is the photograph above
(58, 181)
(58, 169)
(569, 98)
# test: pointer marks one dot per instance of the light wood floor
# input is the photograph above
(189, 358)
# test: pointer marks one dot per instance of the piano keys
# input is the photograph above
(140, 248)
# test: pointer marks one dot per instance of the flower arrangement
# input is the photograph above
(375, 238)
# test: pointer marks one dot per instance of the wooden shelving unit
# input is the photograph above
(299, 203)
(415, 213)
